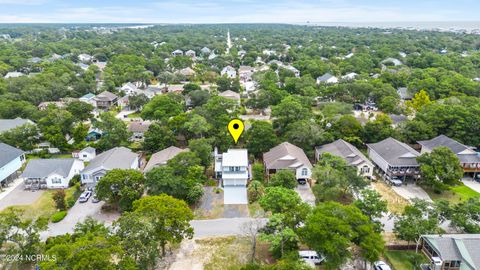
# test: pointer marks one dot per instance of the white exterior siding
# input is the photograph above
(365, 170)
(303, 173)
(381, 163)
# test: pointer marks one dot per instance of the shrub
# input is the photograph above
(71, 202)
(58, 216)
(74, 181)
(59, 198)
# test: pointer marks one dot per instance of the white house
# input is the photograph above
(129, 89)
(287, 156)
(327, 79)
(233, 169)
(85, 58)
(229, 71)
(11, 160)
(115, 158)
(294, 70)
(86, 154)
(13, 74)
(50, 173)
(349, 76)
(349, 153)
(190, 53)
(177, 53)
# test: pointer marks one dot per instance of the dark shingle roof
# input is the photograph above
(40, 168)
(395, 153)
(466, 154)
(8, 153)
(345, 150)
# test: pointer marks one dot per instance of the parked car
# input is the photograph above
(380, 265)
(94, 198)
(85, 196)
(302, 181)
(394, 181)
(311, 257)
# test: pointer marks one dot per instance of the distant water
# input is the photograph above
(447, 26)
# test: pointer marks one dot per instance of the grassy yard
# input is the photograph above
(256, 210)
(402, 259)
(396, 203)
(134, 115)
(454, 194)
(43, 206)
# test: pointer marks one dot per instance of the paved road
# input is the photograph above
(305, 192)
(472, 184)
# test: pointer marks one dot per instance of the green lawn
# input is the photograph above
(134, 115)
(402, 259)
(454, 194)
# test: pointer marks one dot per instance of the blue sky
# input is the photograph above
(237, 11)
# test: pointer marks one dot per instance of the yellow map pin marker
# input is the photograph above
(236, 127)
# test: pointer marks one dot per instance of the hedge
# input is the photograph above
(58, 216)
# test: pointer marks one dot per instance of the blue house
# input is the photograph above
(11, 160)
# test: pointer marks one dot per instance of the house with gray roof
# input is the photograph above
(469, 158)
(349, 153)
(115, 158)
(205, 51)
(287, 156)
(50, 173)
(452, 251)
(327, 78)
(105, 100)
(9, 124)
(11, 160)
(395, 159)
(404, 93)
(162, 157)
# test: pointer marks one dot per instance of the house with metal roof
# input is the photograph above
(287, 156)
(11, 160)
(115, 158)
(327, 78)
(349, 153)
(469, 158)
(50, 173)
(395, 159)
(452, 251)
(232, 167)
(162, 157)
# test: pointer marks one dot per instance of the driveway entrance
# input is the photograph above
(235, 195)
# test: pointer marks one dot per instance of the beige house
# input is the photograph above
(349, 153)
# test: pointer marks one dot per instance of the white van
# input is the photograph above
(311, 257)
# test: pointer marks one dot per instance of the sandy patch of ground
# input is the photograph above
(396, 203)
